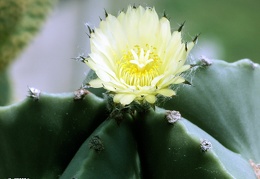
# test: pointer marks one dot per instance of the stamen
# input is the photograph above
(139, 66)
(142, 60)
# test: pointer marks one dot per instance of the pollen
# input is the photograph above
(139, 66)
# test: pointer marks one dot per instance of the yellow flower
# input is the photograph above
(136, 57)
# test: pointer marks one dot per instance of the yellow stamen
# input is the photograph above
(139, 66)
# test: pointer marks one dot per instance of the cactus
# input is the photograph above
(40, 135)
(209, 130)
(20, 20)
(5, 88)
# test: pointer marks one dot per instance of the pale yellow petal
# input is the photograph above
(124, 98)
(103, 75)
(136, 56)
(127, 99)
(167, 92)
(174, 44)
(171, 80)
(150, 99)
(165, 30)
(102, 61)
(151, 21)
(115, 32)
(91, 64)
(164, 36)
(109, 86)
(156, 80)
(96, 83)
(108, 52)
(118, 97)
(190, 45)
(121, 17)
(131, 23)
(179, 80)
(176, 58)
(182, 69)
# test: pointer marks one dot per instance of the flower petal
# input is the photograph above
(151, 21)
(182, 69)
(117, 97)
(124, 98)
(150, 99)
(103, 75)
(127, 99)
(96, 83)
(136, 56)
(164, 35)
(171, 80)
(156, 80)
(167, 92)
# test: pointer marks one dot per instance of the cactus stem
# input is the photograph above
(80, 93)
(205, 145)
(34, 93)
(173, 116)
(256, 168)
(254, 65)
(118, 112)
(205, 61)
(96, 144)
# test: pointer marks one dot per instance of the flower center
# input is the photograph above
(139, 66)
(142, 59)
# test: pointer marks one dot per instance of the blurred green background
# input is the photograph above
(229, 31)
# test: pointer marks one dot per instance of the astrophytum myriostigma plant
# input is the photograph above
(136, 57)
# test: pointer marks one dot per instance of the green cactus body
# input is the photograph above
(117, 159)
(5, 88)
(216, 137)
(174, 150)
(39, 137)
(227, 95)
